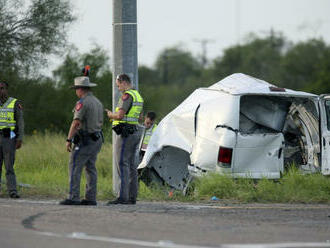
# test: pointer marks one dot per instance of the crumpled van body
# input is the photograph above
(242, 126)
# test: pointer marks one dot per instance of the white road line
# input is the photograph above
(37, 201)
(170, 244)
(133, 242)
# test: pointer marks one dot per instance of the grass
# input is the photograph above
(293, 187)
(42, 163)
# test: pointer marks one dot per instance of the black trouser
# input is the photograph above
(7, 156)
(126, 165)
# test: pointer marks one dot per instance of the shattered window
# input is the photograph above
(262, 114)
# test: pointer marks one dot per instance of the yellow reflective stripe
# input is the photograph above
(130, 119)
(4, 125)
(7, 110)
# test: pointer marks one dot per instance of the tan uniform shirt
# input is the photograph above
(89, 110)
(125, 102)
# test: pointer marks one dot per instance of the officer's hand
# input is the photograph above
(18, 144)
(109, 113)
(68, 146)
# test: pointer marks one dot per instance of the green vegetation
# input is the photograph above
(43, 164)
(293, 187)
(29, 34)
(176, 74)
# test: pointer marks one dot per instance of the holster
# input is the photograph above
(76, 139)
(117, 129)
(83, 137)
(124, 129)
(6, 132)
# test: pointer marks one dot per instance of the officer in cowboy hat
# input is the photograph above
(84, 141)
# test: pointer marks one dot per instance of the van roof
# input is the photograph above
(242, 84)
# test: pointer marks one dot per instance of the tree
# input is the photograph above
(258, 57)
(148, 76)
(302, 64)
(175, 65)
(321, 82)
(28, 34)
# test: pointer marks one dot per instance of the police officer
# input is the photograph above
(86, 137)
(11, 134)
(150, 126)
(127, 136)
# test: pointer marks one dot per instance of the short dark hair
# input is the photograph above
(4, 82)
(123, 77)
(151, 115)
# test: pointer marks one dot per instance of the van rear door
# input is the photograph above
(324, 105)
(258, 155)
(259, 145)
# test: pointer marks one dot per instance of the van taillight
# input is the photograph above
(225, 155)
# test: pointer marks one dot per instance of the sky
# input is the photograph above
(218, 24)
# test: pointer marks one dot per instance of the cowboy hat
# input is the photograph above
(82, 82)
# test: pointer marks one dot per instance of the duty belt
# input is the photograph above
(84, 136)
(5, 132)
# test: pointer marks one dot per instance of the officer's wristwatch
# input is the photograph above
(69, 140)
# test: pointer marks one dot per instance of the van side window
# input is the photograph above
(327, 110)
(262, 114)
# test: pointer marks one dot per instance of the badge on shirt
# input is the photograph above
(79, 105)
(125, 97)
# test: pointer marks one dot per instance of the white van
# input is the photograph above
(241, 126)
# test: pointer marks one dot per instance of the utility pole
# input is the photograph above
(124, 56)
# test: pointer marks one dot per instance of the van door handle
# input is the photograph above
(323, 141)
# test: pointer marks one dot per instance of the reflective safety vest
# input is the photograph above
(147, 136)
(132, 116)
(7, 119)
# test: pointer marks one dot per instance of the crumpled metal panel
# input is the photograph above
(239, 83)
(171, 164)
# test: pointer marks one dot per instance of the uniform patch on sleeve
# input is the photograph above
(125, 97)
(20, 106)
(79, 105)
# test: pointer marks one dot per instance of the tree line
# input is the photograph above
(30, 37)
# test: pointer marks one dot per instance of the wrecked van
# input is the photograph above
(242, 126)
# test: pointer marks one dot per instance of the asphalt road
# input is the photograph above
(34, 224)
